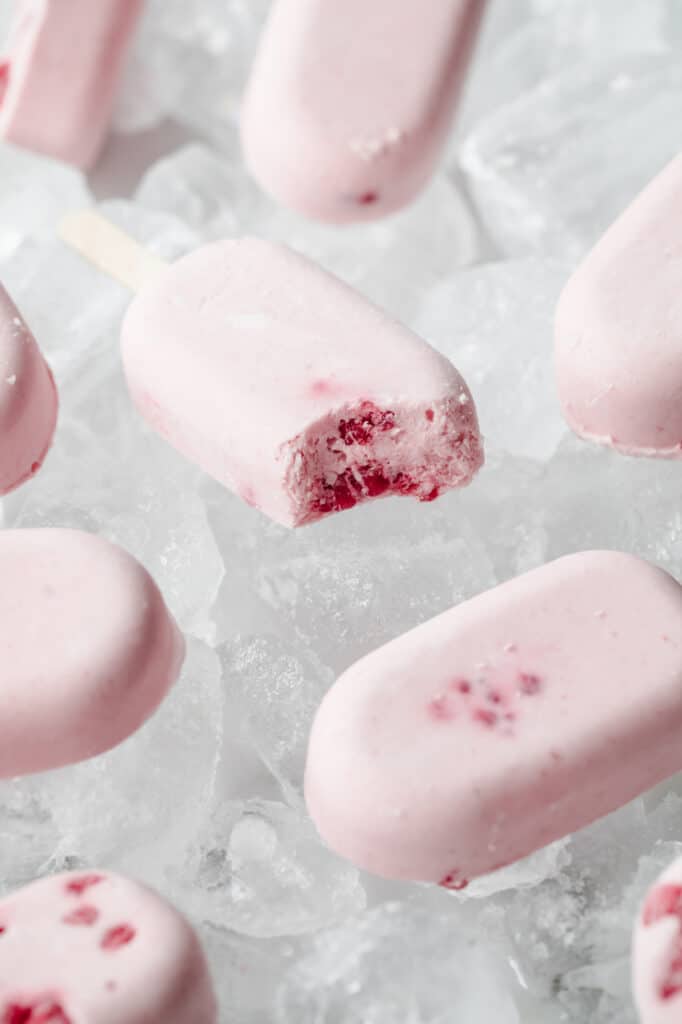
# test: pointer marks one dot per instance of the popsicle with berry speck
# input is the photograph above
(503, 724)
(281, 381)
(96, 948)
(349, 104)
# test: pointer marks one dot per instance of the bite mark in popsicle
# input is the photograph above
(42, 1011)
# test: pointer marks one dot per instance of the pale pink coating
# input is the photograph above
(504, 723)
(59, 75)
(619, 329)
(290, 388)
(657, 950)
(349, 104)
(28, 399)
(89, 648)
(95, 948)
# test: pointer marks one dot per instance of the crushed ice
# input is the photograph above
(205, 802)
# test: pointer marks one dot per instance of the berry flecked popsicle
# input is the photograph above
(95, 948)
(501, 725)
(619, 329)
(88, 646)
(291, 389)
(59, 74)
(28, 400)
(657, 951)
(349, 104)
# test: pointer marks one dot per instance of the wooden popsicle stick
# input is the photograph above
(109, 248)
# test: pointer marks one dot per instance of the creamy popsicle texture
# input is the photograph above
(28, 399)
(619, 329)
(89, 648)
(59, 74)
(504, 723)
(657, 950)
(349, 104)
(96, 948)
(288, 387)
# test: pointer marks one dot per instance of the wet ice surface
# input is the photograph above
(206, 800)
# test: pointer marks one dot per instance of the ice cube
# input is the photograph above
(583, 487)
(258, 868)
(524, 874)
(208, 190)
(246, 972)
(398, 963)
(521, 49)
(571, 935)
(28, 832)
(274, 692)
(352, 582)
(36, 192)
(495, 323)
(189, 61)
(551, 169)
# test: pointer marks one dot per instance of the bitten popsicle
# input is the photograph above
(349, 104)
(59, 74)
(292, 390)
(657, 950)
(502, 724)
(619, 329)
(88, 646)
(28, 399)
(282, 382)
(96, 948)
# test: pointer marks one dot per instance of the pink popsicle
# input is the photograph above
(619, 329)
(88, 646)
(28, 399)
(95, 948)
(657, 951)
(59, 76)
(503, 724)
(349, 104)
(291, 389)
